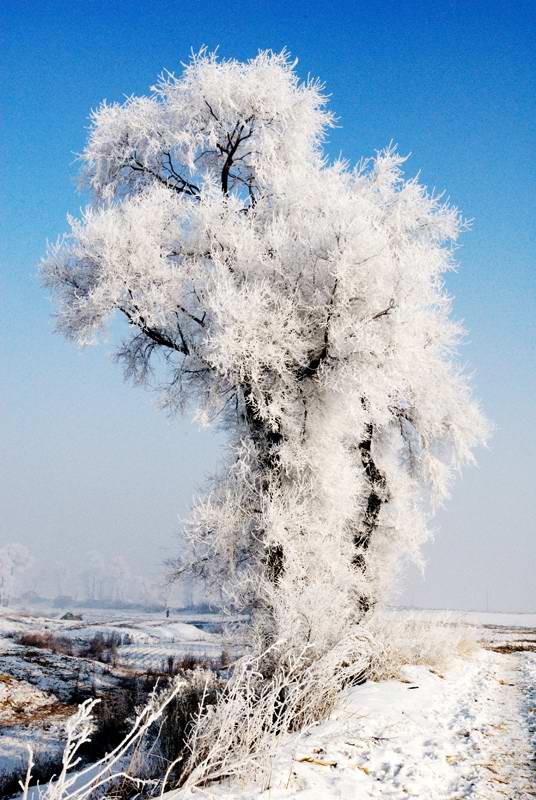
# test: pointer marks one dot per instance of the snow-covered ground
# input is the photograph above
(468, 731)
(434, 736)
(37, 686)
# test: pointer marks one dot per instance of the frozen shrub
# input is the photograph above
(45, 640)
(237, 736)
(103, 646)
(112, 770)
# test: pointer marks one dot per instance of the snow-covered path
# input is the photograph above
(463, 735)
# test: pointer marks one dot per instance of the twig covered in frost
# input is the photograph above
(80, 785)
(28, 777)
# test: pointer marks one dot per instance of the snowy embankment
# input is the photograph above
(151, 641)
(39, 689)
(467, 733)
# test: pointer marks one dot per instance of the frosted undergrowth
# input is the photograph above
(406, 638)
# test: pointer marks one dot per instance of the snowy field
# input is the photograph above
(37, 686)
(468, 731)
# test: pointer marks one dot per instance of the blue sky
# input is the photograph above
(89, 462)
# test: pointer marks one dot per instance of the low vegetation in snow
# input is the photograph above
(403, 638)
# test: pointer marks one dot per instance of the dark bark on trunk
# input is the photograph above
(267, 442)
(376, 498)
(275, 562)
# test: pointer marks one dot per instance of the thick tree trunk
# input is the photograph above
(267, 441)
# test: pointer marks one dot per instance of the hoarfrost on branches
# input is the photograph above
(299, 302)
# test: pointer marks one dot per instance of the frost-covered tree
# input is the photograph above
(93, 575)
(15, 559)
(119, 576)
(298, 301)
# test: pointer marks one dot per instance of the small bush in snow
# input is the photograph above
(45, 640)
(237, 736)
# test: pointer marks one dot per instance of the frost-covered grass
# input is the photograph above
(403, 638)
(240, 736)
(441, 718)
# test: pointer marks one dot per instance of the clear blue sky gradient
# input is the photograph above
(88, 462)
